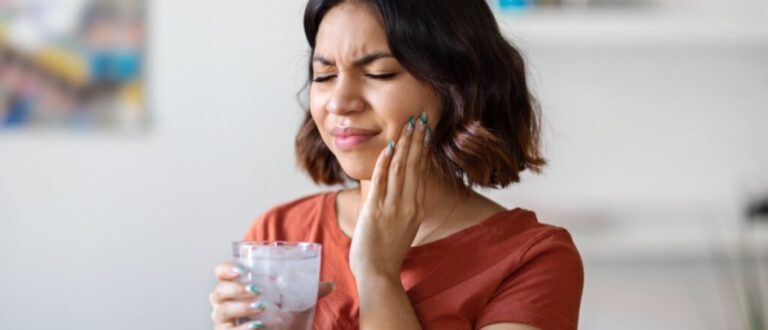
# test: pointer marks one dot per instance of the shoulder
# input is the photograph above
(522, 228)
(514, 241)
(518, 226)
(543, 237)
(538, 239)
(552, 250)
(526, 224)
(281, 220)
(304, 206)
(543, 278)
(519, 242)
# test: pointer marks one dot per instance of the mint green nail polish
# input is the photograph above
(256, 325)
(427, 136)
(258, 304)
(423, 117)
(390, 146)
(253, 289)
(237, 270)
(411, 122)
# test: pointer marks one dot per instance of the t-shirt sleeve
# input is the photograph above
(545, 292)
(253, 232)
(290, 221)
(264, 227)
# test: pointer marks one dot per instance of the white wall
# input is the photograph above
(122, 232)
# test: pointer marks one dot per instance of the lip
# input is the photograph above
(347, 138)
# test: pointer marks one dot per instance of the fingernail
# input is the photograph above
(256, 325)
(258, 305)
(333, 286)
(411, 124)
(236, 271)
(423, 118)
(390, 147)
(428, 136)
(253, 289)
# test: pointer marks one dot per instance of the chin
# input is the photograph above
(357, 169)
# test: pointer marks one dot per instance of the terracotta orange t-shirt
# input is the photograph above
(509, 268)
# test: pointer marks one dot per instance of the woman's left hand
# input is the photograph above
(393, 210)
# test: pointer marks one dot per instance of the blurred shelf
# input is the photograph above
(636, 27)
(658, 241)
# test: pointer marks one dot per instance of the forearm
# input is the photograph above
(384, 304)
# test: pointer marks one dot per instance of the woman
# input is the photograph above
(420, 102)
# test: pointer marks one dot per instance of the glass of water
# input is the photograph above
(288, 275)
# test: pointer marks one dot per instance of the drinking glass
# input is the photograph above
(287, 274)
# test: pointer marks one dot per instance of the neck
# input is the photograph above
(441, 204)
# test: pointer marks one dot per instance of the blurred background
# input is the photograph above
(75, 64)
(149, 142)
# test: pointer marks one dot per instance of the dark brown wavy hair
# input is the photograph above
(490, 126)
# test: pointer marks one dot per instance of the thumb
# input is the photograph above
(325, 289)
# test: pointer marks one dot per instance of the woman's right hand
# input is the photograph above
(232, 300)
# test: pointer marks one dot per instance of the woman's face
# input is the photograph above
(360, 96)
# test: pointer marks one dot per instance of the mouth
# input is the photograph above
(349, 138)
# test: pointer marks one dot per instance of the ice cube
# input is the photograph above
(272, 316)
(259, 266)
(298, 291)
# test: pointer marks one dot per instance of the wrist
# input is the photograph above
(372, 279)
(369, 270)
(372, 287)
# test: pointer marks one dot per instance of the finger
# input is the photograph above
(250, 325)
(228, 272)
(228, 312)
(425, 165)
(378, 188)
(413, 163)
(225, 291)
(223, 326)
(398, 164)
(325, 289)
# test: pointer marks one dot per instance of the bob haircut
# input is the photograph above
(489, 130)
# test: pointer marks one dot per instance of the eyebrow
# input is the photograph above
(363, 60)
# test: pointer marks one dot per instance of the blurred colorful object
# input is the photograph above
(513, 4)
(72, 64)
(517, 5)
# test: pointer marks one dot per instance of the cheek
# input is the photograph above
(314, 102)
(391, 111)
(395, 104)
(433, 105)
(316, 110)
(436, 111)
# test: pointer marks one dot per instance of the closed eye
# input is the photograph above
(386, 76)
(323, 78)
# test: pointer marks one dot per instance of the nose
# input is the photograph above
(346, 98)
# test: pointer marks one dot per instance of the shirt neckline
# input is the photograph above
(340, 236)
